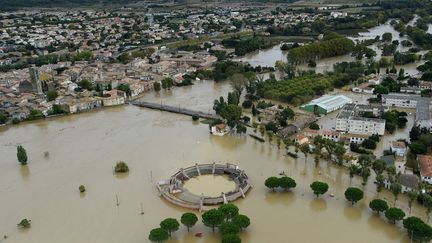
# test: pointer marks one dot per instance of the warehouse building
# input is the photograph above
(327, 104)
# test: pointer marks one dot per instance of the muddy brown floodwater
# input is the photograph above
(210, 185)
(83, 149)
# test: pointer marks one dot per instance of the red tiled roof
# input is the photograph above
(425, 162)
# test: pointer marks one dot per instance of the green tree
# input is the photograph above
(394, 214)
(22, 155)
(378, 205)
(121, 167)
(379, 166)
(52, 95)
(427, 202)
(417, 229)
(232, 238)
(158, 235)
(228, 228)
(242, 221)
(254, 111)
(314, 126)
(304, 148)
(417, 148)
(3, 118)
(396, 189)
(229, 211)
(170, 225)
(25, 223)
(353, 194)
(82, 188)
(188, 220)
(365, 173)
(157, 86)
(212, 218)
(287, 183)
(272, 182)
(412, 196)
(319, 188)
(353, 169)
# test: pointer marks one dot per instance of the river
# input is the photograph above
(268, 57)
(83, 149)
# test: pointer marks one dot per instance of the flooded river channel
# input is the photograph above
(83, 149)
(268, 57)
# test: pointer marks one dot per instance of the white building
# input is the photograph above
(413, 101)
(348, 120)
(399, 148)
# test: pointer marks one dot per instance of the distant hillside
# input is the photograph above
(14, 4)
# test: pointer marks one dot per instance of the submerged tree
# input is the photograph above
(319, 188)
(158, 235)
(287, 183)
(229, 211)
(242, 221)
(394, 214)
(170, 225)
(378, 205)
(412, 196)
(272, 182)
(353, 194)
(212, 218)
(188, 220)
(22, 155)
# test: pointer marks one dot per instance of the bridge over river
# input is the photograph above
(175, 109)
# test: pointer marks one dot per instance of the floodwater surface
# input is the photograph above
(84, 148)
(209, 185)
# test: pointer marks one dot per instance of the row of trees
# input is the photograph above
(417, 229)
(352, 194)
(226, 218)
(333, 45)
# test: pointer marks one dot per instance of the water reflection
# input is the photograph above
(25, 172)
(318, 204)
(352, 212)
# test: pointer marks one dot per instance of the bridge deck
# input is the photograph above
(174, 109)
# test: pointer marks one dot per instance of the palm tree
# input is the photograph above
(352, 170)
(262, 130)
(278, 142)
(427, 202)
(396, 189)
(270, 136)
(304, 148)
(412, 195)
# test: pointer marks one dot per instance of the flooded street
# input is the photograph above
(84, 148)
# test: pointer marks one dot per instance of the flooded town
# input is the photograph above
(210, 122)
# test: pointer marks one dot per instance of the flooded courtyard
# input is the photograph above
(84, 148)
(209, 185)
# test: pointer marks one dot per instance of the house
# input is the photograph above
(113, 100)
(425, 162)
(331, 135)
(353, 138)
(310, 133)
(408, 182)
(363, 88)
(398, 147)
(301, 139)
(287, 131)
(219, 129)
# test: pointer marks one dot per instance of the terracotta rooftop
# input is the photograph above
(398, 144)
(425, 162)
